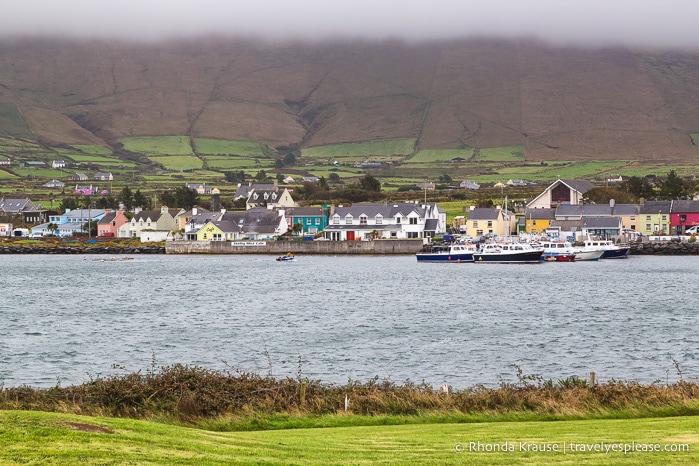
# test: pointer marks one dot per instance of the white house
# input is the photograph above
(405, 220)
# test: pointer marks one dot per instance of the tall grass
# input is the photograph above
(197, 395)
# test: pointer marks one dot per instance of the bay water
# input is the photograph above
(69, 318)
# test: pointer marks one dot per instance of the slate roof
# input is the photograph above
(486, 213)
(601, 222)
(653, 207)
(541, 214)
(18, 205)
(244, 190)
(385, 210)
(685, 206)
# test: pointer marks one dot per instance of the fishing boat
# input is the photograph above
(609, 249)
(288, 258)
(509, 253)
(559, 251)
(456, 253)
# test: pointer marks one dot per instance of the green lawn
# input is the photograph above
(28, 437)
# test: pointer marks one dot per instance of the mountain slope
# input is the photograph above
(557, 103)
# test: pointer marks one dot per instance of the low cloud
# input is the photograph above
(667, 24)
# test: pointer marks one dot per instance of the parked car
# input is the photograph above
(692, 230)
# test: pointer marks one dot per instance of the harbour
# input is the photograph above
(336, 318)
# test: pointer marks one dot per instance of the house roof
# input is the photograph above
(655, 207)
(244, 190)
(385, 210)
(18, 205)
(485, 213)
(303, 211)
(685, 206)
(601, 222)
(541, 214)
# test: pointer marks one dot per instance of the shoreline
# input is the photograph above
(379, 247)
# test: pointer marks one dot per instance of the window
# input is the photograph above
(479, 232)
(393, 234)
(490, 224)
(336, 220)
(362, 220)
(397, 220)
(379, 219)
(475, 224)
(348, 220)
(647, 218)
(412, 234)
(413, 220)
(317, 221)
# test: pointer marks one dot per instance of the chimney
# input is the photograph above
(194, 211)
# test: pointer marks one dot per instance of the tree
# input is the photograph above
(69, 203)
(52, 227)
(673, 187)
(140, 200)
(334, 178)
(603, 194)
(297, 228)
(126, 198)
(235, 177)
(638, 188)
(369, 183)
(289, 159)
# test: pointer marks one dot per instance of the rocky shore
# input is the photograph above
(667, 248)
(111, 250)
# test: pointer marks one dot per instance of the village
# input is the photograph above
(271, 213)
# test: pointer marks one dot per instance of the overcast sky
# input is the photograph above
(658, 23)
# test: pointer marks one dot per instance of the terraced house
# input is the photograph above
(404, 220)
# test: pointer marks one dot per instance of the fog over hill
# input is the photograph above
(559, 103)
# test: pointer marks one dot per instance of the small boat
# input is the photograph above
(559, 251)
(456, 253)
(609, 249)
(287, 258)
(509, 253)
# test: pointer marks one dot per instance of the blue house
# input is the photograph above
(313, 219)
(69, 222)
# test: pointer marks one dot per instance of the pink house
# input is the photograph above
(684, 214)
(108, 226)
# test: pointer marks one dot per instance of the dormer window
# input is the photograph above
(362, 220)
(379, 219)
(336, 220)
(348, 219)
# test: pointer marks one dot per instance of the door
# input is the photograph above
(350, 236)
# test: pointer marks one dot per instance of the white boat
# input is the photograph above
(609, 249)
(560, 251)
(509, 253)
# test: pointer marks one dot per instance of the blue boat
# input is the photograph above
(456, 253)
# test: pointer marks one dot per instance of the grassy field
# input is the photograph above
(360, 151)
(12, 123)
(223, 147)
(178, 162)
(47, 438)
(158, 145)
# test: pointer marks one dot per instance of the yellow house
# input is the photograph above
(491, 220)
(538, 220)
(210, 232)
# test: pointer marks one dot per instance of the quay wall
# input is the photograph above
(391, 246)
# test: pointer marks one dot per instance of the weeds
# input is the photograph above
(192, 394)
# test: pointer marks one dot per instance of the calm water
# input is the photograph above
(74, 317)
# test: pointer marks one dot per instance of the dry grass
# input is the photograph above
(194, 394)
